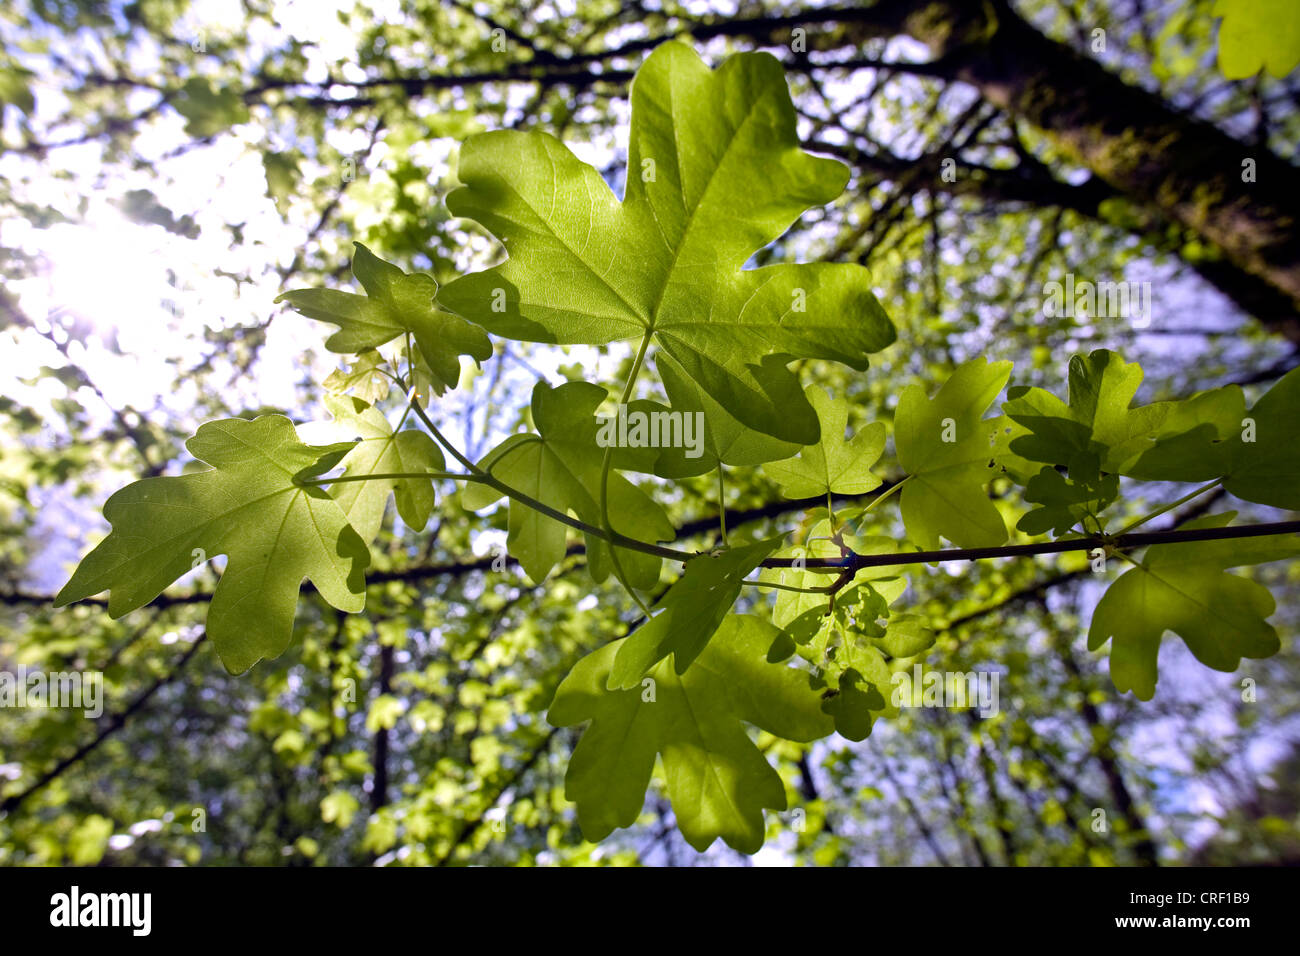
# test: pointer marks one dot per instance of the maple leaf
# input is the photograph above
(1183, 588)
(249, 506)
(715, 174)
(690, 612)
(561, 467)
(394, 303)
(363, 378)
(1211, 435)
(380, 450)
(1067, 501)
(717, 779)
(1097, 421)
(946, 447)
(833, 464)
(1257, 34)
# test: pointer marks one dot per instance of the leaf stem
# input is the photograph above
(483, 477)
(722, 504)
(883, 495)
(604, 479)
(442, 439)
(409, 377)
(1172, 505)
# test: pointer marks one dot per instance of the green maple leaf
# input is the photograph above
(1190, 444)
(1183, 588)
(819, 543)
(250, 507)
(1097, 421)
(1067, 501)
(833, 464)
(561, 467)
(1257, 453)
(394, 303)
(717, 779)
(363, 378)
(715, 174)
(1266, 469)
(208, 110)
(1258, 34)
(383, 451)
(691, 611)
(853, 704)
(847, 645)
(725, 439)
(946, 447)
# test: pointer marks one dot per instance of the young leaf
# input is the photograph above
(717, 779)
(1183, 588)
(363, 378)
(249, 507)
(394, 303)
(853, 704)
(692, 611)
(946, 447)
(383, 451)
(833, 464)
(561, 467)
(1257, 453)
(1067, 501)
(844, 644)
(820, 543)
(715, 174)
(1097, 421)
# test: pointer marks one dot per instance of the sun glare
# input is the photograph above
(108, 273)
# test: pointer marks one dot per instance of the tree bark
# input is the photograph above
(1187, 169)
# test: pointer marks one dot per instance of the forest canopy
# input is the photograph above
(649, 433)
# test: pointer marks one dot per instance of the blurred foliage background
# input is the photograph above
(167, 168)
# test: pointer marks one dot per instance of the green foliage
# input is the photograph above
(945, 445)
(691, 611)
(364, 378)
(1184, 588)
(717, 779)
(394, 303)
(1097, 428)
(833, 464)
(379, 451)
(250, 506)
(716, 174)
(1257, 34)
(1256, 453)
(561, 467)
